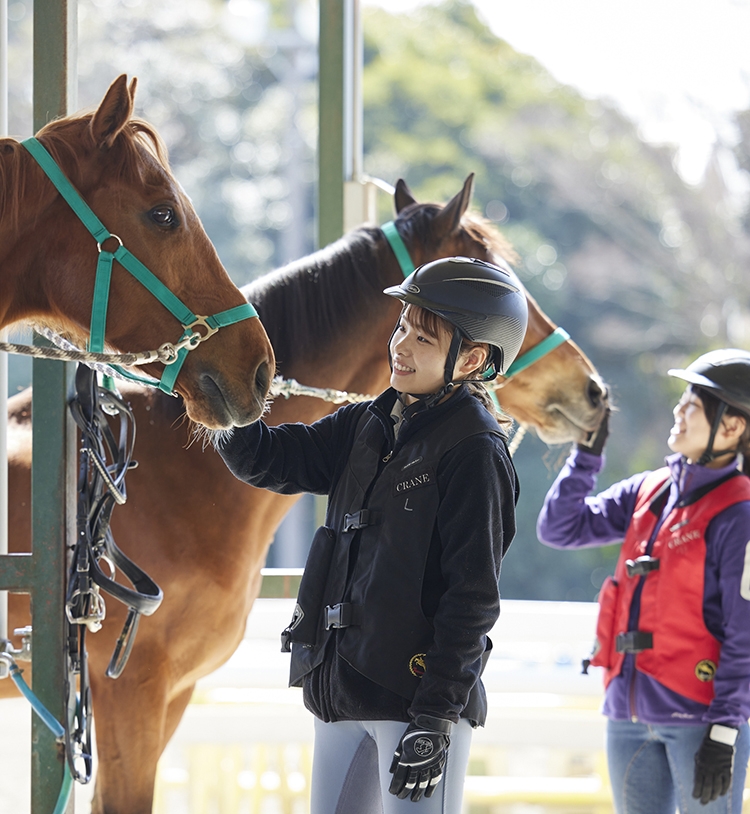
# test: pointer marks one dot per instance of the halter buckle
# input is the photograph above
(195, 338)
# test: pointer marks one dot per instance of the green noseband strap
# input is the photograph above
(554, 340)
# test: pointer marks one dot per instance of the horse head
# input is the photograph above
(118, 166)
(560, 395)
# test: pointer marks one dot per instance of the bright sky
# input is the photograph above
(676, 67)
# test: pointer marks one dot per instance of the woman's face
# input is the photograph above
(418, 358)
(690, 433)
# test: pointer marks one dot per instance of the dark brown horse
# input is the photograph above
(203, 535)
(118, 165)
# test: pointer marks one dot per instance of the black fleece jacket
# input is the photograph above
(474, 527)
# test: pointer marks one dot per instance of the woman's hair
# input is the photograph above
(433, 325)
(711, 408)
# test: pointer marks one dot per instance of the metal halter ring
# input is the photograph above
(100, 246)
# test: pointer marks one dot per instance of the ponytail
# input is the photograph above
(480, 392)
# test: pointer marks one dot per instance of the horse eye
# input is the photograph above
(163, 215)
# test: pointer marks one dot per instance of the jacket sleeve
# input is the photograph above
(290, 458)
(573, 518)
(475, 524)
(727, 612)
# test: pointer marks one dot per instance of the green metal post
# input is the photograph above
(54, 438)
(331, 117)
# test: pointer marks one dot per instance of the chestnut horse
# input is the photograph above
(49, 257)
(203, 535)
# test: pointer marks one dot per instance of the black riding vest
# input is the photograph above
(394, 502)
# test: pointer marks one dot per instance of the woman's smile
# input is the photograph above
(401, 368)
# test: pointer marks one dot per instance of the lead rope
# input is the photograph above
(167, 353)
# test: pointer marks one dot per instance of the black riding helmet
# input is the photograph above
(726, 374)
(484, 302)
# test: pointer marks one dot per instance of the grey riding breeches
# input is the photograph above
(351, 763)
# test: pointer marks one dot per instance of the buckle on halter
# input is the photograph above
(194, 338)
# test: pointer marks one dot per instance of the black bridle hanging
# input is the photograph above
(104, 462)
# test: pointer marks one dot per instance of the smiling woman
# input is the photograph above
(674, 622)
(387, 647)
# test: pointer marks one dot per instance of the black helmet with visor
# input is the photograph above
(484, 302)
(725, 374)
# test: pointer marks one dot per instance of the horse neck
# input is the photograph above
(24, 197)
(344, 282)
(539, 326)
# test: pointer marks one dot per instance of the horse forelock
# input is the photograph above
(69, 140)
(318, 300)
(418, 219)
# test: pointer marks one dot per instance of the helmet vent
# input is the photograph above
(486, 289)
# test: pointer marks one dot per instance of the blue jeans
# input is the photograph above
(651, 769)
(350, 773)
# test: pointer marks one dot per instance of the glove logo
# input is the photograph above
(417, 665)
(423, 747)
(705, 670)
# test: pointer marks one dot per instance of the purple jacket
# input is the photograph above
(572, 518)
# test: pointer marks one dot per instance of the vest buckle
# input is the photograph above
(641, 566)
(344, 614)
(634, 641)
(357, 520)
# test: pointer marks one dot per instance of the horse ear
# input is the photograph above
(113, 113)
(403, 196)
(448, 220)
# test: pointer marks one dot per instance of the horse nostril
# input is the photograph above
(263, 378)
(597, 394)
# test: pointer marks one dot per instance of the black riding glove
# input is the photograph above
(419, 759)
(597, 439)
(713, 763)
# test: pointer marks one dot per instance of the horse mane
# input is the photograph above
(323, 295)
(65, 139)
(329, 294)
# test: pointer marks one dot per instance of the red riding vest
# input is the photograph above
(684, 655)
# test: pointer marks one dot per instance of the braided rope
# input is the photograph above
(68, 352)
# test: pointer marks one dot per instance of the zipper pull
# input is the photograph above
(388, 457)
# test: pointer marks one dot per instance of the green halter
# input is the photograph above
(130, 263)
(554, 340)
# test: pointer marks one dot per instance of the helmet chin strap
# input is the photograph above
(709, 454)
(427, 400)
